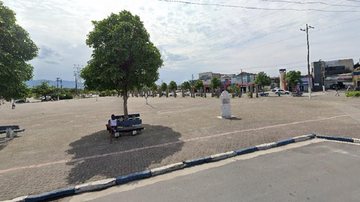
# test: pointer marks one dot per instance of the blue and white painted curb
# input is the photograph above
(95, 186)
(339, 138)
(51, 195)
(167, 169)
(133, 177)
(103, 184)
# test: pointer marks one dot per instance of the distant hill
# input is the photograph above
(65, 84)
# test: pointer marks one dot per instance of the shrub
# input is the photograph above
(66, 96)
(352, 94)
(249, 94)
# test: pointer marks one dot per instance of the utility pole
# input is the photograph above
(76, 75)
(192, 91)
(308, 56)
(57, 87)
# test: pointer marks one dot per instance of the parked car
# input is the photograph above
(46, 98)
(282, 92)
(187, 93)
(171, 94)
(275, 89)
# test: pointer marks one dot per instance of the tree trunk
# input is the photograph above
(257, 91)
(125, 97)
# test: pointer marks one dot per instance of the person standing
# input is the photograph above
(337, 91)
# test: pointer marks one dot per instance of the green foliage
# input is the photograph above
(233, 89)
(123, 56)
(293, 78)
(199, 85)
(106, 93)
(262, 79)
(16, 48)
(186, 85)
(44, 89)
(164, 86)
(66, 96)
(249, 94)
(153, 88)
(215, 83)
(352, 94)
(172, 85)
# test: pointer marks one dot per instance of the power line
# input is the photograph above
(259, 8)
(310, 2)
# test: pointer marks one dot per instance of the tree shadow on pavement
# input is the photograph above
(95, 158)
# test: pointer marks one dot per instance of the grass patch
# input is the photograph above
(352, 94)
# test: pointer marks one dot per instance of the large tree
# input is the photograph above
(293, 78)
(123, 56)
(262, 79)
(16, 48)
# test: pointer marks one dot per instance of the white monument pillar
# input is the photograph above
(225, 105)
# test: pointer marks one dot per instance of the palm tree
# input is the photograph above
(185, 86)
(215, 84)
(164, 87)
(199, 86)
(173, 87)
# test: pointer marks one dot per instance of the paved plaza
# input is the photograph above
(315, 170)
(65, 142)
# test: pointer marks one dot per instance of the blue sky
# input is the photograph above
(197, 38)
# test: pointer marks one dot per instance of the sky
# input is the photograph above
(213, 35)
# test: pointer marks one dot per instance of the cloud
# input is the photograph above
(193, 38)
(46, 52)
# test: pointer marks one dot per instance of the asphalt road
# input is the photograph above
(322, 171)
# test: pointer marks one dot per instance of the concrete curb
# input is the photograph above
(195, 162)
(304, 137)
(51, 195)
(95, 186)
(167, 168)
(222, 156)
(103, 184)
(132, 177)
(339, 138)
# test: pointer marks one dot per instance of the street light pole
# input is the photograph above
(308, 56)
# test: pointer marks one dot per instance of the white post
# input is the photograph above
(225, 105)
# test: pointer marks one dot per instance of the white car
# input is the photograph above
(282, 92)
(275, 89)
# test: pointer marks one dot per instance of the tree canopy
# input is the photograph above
(293, 78)
(199, 84)
(123, 56)
(262, 79)
(215, 83)
(164, 86)
(16, 48)
(172, 85)
(43, 89)
(186, 85)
